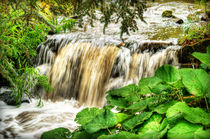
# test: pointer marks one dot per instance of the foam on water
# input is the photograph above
(29, 121)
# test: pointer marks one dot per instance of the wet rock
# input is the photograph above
(193, 18)
(168, 13)
(51, 32)
(204, 17)
(179, 21)
(9, 98)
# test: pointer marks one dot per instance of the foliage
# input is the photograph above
(61, 133)
(21, 32)
(158, 107)
(195, 34)
(125, 12)
(66, 24)
(186, 130)
(203, 57)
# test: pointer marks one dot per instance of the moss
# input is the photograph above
(58, 133)
(193, 18)
(167, 13)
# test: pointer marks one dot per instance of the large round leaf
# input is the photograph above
(136, 120)
(101, 121)
(193, 115)
(197, 81)
(203, 57)
(186, 130)
(87, 115)
(58, 133)
(168, 73)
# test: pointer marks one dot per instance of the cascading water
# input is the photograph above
(82, 66)
(85, 70)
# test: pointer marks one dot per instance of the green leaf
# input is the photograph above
(168, 74)
(122, 117)
(186, 130)
(81, 135)
(101, 121)
(160, 88)
(203, 57)
(146, 83)
(193, 115)
(172, 121)
(61, 133)
(136, 120)
(138, 106)
(119, 102)
(162, 108)
(87, 115)
(196, 81)
(153, 128)
(127, 92)
(153, 134)
(208, 50)
(120, 135)
(152, 124)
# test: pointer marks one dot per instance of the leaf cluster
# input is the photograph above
(125, 11)
(158, 107)
(21, 32)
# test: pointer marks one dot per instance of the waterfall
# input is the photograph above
(85, 69)
(82, 66)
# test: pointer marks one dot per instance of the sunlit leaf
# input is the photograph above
(136, 120)
(186, 130)
(87, 115)
(196, 81)
(193, 115)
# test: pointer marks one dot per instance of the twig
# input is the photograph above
(109, 131)
(207, 106)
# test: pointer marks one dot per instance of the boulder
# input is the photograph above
(204, 17)
(7, 96)
(168, 13)
(193, 18)
(178, 21)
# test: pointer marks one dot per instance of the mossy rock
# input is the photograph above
(167, 13)
(193, 18)
(58, 133)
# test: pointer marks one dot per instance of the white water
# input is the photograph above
(28, 121)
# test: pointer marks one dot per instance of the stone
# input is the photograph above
(51, 32)
(179, 21)
(167, 13)
(193, 18)
(9, 98)
(204, 17)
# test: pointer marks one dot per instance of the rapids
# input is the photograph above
(84, 64)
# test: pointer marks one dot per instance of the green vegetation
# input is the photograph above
(173, 103)
(125, 12)
(203, 57)
(58, 133)
(23, 27)
(195, 34)
(25, 24)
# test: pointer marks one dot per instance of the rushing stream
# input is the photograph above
(82, 66)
